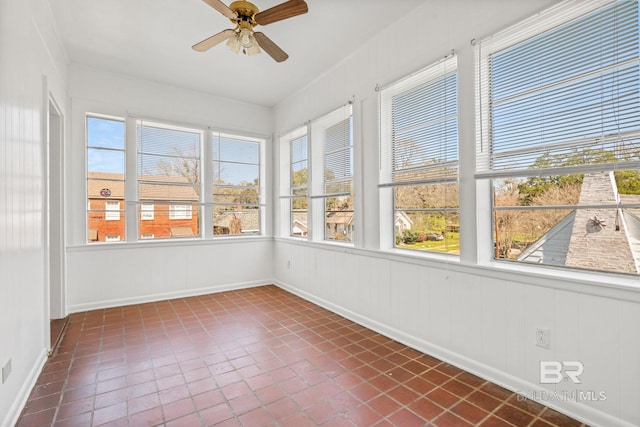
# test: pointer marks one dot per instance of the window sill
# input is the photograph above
(603, 283)
(610, 285)
(165, 243)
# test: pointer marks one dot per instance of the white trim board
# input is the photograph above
(20, 401)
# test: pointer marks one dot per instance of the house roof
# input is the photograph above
(578, 241)
(341, 217)
(181, 231)
(115, 183)
(250, 220)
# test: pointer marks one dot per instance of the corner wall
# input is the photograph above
(30, 55)
(478, 315)
(113, 274)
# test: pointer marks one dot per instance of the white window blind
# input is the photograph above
(333, 133)
(169, 176)
(168, 163)
(419, 127)
(563, 83)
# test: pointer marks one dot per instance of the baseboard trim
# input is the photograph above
(21, 399)
(572, 409)
(76, 308)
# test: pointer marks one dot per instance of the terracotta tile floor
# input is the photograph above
(255, 357)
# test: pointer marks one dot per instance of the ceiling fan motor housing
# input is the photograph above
(245, 11)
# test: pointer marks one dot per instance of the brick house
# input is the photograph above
(157, 220)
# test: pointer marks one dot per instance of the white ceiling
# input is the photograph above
(152, 39)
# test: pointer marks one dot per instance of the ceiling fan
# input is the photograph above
(245, 16)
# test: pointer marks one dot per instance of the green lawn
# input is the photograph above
(450, 244)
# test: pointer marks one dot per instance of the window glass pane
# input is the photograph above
(237, 150)
(168, 192)
(419, 133)
(105, 133)
(432, 231)
(105, 161)
(169, 175)
(105, 179)
(168, 221)
(578, 220)
(236, 196)
(235, 173)
(573, 88)
(427, 196)
(339, 218)
(298, 186)
(299, 149)
(299, 217)
(564, 140)
(236, 186)
(229, 221)
(419, 222)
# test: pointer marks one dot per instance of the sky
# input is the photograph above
(235, 160)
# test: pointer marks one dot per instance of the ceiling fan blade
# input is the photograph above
(270, 47)
(222, 8)
(282, 11)
(210, 42)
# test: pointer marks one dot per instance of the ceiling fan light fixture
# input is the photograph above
(245, 15)
(234, 43)
(245, 36)
(253, 49)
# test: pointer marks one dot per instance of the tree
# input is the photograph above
(186, 165)
(299, 181)
(534, 186)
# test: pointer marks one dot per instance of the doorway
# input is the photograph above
(54, 223)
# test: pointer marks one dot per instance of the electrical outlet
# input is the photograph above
(543, 337)
(6, 371)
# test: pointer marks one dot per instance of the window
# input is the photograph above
(105, 177)
(169, 178)
(180, 212)
(559, 137)
(419, 153)
(146, 211)
(236, 185)
(332, 180)
(112, 212)
(188, 181)
(299, 180)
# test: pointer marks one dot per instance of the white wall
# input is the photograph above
(101, 275)
(29, 51)
(477, 315)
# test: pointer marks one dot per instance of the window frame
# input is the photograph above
(108, 215)
(132, 218)
(112, 213)
(485, 176)
(259, 205)
(318, 182)
(435, 73)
